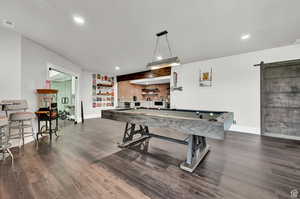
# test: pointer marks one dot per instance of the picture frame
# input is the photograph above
(205, 77)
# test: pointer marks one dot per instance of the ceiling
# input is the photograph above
(121, 32)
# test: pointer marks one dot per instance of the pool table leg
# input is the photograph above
(130, 133)
(197, 149)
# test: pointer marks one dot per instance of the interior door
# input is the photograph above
(280, 99)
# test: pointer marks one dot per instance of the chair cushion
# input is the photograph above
(21, 116)
(15, 105)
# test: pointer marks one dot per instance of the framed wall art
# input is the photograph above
(205, 77)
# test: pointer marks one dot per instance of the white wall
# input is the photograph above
(35, 60)
(10, 64)
(24, 66)
(88, 110)
(236, 85)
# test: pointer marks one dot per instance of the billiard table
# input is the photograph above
(196, 124)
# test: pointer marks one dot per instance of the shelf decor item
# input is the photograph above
(175, 86)
(102, 90)
(205, 78)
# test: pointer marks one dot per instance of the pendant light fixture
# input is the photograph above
(157, 61)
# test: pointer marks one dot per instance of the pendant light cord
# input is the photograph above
(155, 49)
(157, 46)
(169, 45)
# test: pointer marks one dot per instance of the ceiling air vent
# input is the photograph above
(8, 24)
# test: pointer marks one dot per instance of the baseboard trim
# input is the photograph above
(92, 116)
(288, 137)
(245, 129)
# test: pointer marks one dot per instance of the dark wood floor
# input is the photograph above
(85, 162)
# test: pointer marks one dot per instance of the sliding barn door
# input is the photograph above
(280, 99)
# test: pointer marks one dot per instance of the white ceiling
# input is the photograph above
(121, 32)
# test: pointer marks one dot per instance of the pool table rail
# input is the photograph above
(195, 126)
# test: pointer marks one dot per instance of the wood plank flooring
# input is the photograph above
(85, 162)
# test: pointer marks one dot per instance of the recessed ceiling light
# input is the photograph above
(117, 68)
(245, 36)
(159, 57)
(79, 20)
(155, 67)
(8, 24)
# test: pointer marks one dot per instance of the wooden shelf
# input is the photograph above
(99, 94)
(154, 90)
(103, 91)
(105, 85)
(47, 91)
(149, 93)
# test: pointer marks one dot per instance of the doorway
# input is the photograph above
(280, 99)
(66, 84)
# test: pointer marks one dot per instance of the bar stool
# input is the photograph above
(4, 140)
(20, 120)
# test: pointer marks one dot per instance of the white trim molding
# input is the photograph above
(92, 116)
(245, 129)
